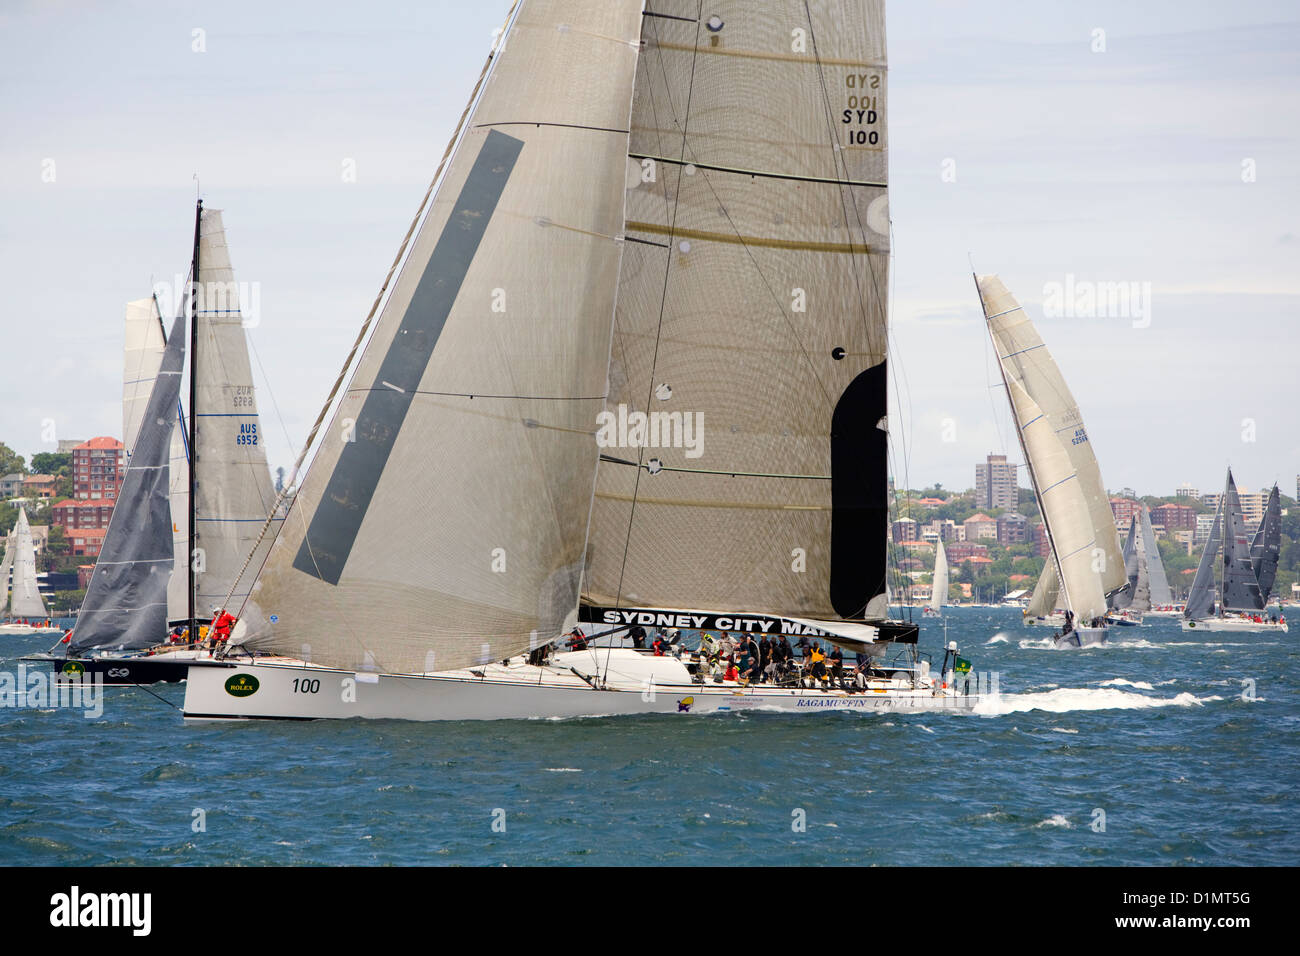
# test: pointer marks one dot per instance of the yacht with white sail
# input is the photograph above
(588, 395)
(23, 612)
(939, 589)
(1249, 569)
(1085, 565)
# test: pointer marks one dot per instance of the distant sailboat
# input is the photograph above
(429, 565)
(939, 591)
(1241, 603)
(1129, 604)
(26, 614)
(1072, 499)
(1162, 598)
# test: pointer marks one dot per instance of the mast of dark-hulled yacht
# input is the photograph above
(194, 458)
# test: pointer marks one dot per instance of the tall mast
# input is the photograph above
(194, 366)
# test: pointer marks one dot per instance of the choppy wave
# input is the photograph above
(1067, 699)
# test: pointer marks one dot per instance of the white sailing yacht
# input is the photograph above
(1128, 605)
(1161, 597)
(1248, 570)
(939, 590)
(23, 613)
(678, 221)
(1086, 563)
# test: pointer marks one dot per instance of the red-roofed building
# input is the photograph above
(39, 486)
(98, 469)
(960, 551)
(86, 542)
(1124, 510)
(980, 526)
(84, 571)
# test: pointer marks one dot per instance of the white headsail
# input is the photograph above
(453, 489)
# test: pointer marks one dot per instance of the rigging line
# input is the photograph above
(152, 694)
(374, 307)
(762, 174)
(663, 297)
(535, 123)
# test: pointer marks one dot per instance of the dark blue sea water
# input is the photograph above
(1156, 731)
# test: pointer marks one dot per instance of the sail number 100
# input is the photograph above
(304, 686)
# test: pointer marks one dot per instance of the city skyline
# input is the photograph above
(1149, 169)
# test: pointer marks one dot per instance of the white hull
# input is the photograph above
(634, 684)
(27, 630)
(1084, 637)
(1234, 624)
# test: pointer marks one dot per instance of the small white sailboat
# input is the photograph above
(1129, 604)
(493, 496)
(1162, 598)
(1241, 604)
(23, 613)
(939, 590)
(1086, 560)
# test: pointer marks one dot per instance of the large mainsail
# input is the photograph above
(1161, 596)
(1241, 590)
(939, 593)
(143, 354)
(751, 324)
(1200, 601)
(126, 602)
(233, 490)
(1266, 546)
(442, 520)
(1064, 507)
(26, 601)
(1025, 359)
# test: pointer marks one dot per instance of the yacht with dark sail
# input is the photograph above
(201, 482)
(1241, 600)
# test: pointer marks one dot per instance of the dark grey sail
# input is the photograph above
(1264, 549)
(1200, 602)
(1240, 588)
(126, 603)
(1161, 596)
(1122, 598)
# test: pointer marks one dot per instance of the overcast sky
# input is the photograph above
(1161, 151)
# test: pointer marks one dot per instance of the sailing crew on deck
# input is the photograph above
(637, 633)
(222, 623)
(837, 665)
